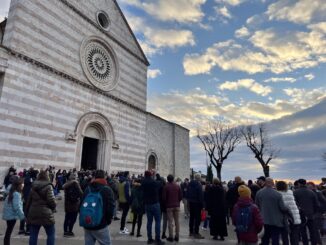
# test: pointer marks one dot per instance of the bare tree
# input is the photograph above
(220, 140)
(259, 143)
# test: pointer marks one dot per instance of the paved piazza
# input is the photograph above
(114, 230)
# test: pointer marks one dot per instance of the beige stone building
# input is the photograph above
(73, 92)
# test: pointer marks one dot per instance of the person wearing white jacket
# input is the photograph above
(295, 220)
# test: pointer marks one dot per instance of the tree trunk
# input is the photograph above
(266, 171)
(218, 171)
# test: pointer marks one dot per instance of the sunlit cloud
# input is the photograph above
(280, 79)
(155, 39)
(249, 84)
(267, 50)
(231, 2)
(224, 12)
(309, 76)
(195, 108)
(242, 32)
(300, 11)
(153, 73)
(184, 11)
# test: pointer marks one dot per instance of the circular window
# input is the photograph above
(99, 63)
(103, 20)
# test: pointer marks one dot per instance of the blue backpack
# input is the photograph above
(91, 210)
(243, 219)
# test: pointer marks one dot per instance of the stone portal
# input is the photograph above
(89, 155)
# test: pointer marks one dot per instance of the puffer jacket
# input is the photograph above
(13, 210)
(72, 206)
(41, 204)
(289, 201)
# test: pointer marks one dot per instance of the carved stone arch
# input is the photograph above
(151, 158)
(95, 125)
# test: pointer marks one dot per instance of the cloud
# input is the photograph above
(228, 55)
(309, 76)
(223, 11)
(231, 2)
(183, 11)
(242, 32)
(153, 73)
(153, 39)
(249, 84)
(161, 38)
(280, 79)
(304, 98)
(266, 51)
(300, 11)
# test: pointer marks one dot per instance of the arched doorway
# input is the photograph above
(152, 161)
(92, 149)
(95, 138)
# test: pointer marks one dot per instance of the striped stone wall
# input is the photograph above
(170, 144)
(38, 108)
(51, 32)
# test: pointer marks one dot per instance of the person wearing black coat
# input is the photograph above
(195, 197)
(307, 202)
(215, 205)
(137, 207)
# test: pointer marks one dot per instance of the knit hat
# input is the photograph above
(244, 191)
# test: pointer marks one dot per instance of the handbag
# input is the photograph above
(203, 215)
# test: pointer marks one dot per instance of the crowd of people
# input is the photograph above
(275, 211)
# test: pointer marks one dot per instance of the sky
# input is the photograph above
(243, 62)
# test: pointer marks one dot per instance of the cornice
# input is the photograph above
(73, 8)
(68, 77)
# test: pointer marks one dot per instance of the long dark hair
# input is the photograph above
(17, 185)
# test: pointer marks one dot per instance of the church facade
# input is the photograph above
(73, 92)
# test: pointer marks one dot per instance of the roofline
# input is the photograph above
(143, 59)
(132, 33)
(172, 123)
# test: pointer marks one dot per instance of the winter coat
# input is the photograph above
(28, 180)
(307, 201)
(289, 201)
(271, 206)
(41, 204)
(13, 210)
(72, 206)
(172, 195)
(151, 190)
(216, 207)
(184, 187)
(108, 201)
(124, 190)
(195, 192)
(257, 220)
(137, 200)
(232, 195)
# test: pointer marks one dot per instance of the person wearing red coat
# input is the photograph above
(256, 224)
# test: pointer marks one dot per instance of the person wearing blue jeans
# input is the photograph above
(40, 209)
(98, 232)
(34, 230)
(151, 192)
(153, 212)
